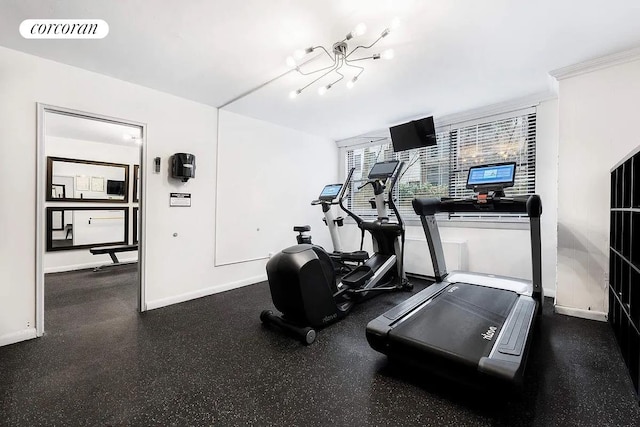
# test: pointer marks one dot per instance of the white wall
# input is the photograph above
(267, 177)
(505, 251)
(90, 150)
(178, 268)
(598, 117)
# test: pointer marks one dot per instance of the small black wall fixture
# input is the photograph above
(183, 166)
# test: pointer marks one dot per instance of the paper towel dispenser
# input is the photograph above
(183, 166)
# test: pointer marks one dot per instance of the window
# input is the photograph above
(441, 170)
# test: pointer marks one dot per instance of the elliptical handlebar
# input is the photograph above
(343, 196)
(374, 183)
(394, 179)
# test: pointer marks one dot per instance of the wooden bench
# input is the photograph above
(112, 251)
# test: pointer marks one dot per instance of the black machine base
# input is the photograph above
(306, 335)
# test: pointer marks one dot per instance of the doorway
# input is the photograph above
(90, 211)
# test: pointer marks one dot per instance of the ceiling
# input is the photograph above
(450, 55)
(72, 127)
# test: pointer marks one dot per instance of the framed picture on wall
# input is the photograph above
(82, 183)
(58, 191)
(97, 184)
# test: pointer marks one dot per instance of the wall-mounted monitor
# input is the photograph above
(414, 134)
(116, 188)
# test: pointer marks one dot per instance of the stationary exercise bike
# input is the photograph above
(302, 279)
(343, 261)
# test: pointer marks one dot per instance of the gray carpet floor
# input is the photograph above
(211, 362)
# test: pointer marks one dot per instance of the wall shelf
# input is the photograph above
(624, 262)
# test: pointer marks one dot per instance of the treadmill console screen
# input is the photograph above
(496, 176)
(383, 169)
(329, 192)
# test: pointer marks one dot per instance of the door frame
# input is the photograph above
(41, 162)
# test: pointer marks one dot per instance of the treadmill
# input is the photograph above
(468, 326)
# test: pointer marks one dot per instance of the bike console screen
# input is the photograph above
(329, 192)
(383, 170)
(491, 177)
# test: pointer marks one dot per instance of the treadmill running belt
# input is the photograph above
(463, 322)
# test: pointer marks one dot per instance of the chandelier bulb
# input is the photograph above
(359, 30)
(352, 82)
(294, 93)
(291, 62)
(387, 54)
(323, 89)
(299, 54)
(395, 23)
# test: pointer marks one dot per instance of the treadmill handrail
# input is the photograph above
(529, 204)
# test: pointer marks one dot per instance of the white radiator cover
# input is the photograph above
(417, 259)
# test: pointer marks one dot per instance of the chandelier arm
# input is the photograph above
(360, 59)
(333, 58)
(332, 69)
(325, 51)
(346, 62)
(364, 47)
(341, 77)
(316, 71)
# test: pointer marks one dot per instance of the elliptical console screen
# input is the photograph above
(383, 169)
(329, 192)
(500, 175)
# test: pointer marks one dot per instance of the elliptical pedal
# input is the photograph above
(358, 277)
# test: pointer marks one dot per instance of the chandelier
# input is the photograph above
(343, 62)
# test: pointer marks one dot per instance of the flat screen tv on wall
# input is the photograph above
(414, 134)
(115, 187)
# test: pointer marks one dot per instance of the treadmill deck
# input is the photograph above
(483, 329)
(464, 321)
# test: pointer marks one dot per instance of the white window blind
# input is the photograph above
(441, 170)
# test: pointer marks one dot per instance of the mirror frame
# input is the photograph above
(51, 159)
(134, 218)
(136, 177)
(49, 225)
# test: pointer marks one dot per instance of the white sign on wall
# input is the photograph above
(180, 199)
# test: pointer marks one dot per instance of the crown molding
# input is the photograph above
(500, 108)
(595, 64)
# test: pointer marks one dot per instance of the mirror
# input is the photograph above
(86, 227)
(136, 226)
(136, 183)
(86, 181)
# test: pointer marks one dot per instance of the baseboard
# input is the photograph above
(14, 337)
(163, 302)
(584, 314)
(84, 266)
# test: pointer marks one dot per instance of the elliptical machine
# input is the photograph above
(302, 279)
(344, 262)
